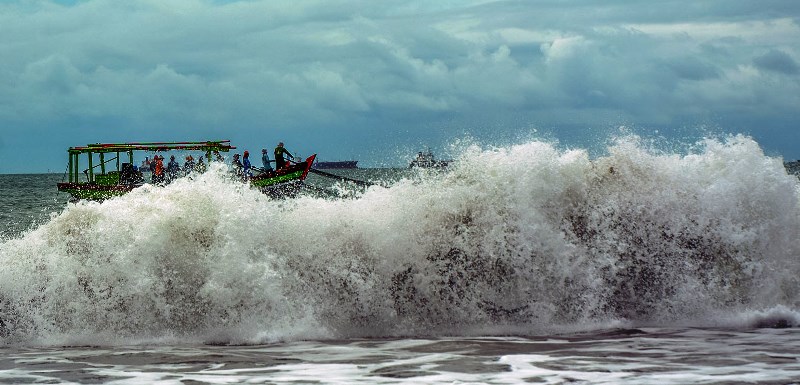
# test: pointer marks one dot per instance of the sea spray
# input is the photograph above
(525, 238)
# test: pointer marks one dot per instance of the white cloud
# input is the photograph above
(564, 48)
(774, 31)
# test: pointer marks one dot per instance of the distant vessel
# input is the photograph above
(427, 160)
(793, 167)
(337, 164)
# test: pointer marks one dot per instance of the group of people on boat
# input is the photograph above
(243, 168)
(164, 175)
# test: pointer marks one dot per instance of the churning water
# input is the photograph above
(638, 265)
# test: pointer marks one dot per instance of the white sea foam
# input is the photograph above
(521, 240)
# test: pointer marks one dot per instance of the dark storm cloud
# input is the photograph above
(692, 68)
(348, 76)
(777, 61)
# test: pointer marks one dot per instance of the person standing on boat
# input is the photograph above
(279, 160)
(152, 166)
(172, 169)
(237, 165)
(218, 157)
(265, 160)
(188, 167)
(158, 171)
(246, 172)
(200, 167)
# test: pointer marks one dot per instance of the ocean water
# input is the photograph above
(520, 264)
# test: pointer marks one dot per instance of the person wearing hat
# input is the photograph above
(279, 160)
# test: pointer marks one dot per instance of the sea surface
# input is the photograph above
(521, 264)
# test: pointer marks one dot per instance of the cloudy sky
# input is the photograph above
(378, 80)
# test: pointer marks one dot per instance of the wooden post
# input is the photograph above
(77, 168)
(90, 175)
(70, 165)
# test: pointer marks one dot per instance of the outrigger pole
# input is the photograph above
(327, 175)
(342, 178)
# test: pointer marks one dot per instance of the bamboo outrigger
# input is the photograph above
(120, 177)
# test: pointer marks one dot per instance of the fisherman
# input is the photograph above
(218, 157)
(200, 167)
(152, 166)
(246, 172)
(279, 160)
(265, 160)
(158, 170)
(172, 169)
(188, 167)
(237, 165)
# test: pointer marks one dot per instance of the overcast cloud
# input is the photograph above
(376, 80)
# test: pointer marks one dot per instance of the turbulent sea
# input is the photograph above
(521, 264)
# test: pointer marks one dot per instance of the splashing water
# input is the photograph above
(519, 240)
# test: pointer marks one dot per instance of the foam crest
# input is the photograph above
(523, 238)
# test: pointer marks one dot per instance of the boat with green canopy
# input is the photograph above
(110, 169)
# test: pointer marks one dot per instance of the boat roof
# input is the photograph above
(210, 145)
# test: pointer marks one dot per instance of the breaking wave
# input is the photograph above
(525, 239)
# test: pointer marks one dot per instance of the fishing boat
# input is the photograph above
(427, 160)
(111, 172)
(793, 167)
(286, 180)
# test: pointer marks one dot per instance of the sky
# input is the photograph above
(377, 81)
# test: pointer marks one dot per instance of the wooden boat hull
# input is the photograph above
(289, 173)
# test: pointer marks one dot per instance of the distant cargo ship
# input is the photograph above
(338, 164)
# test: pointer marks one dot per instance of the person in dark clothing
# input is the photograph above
(200, 167)
(218, 157)
(152, 165)
(246, 166)
(279, 160)
(172, 169)
(236, 164)
(189, 165)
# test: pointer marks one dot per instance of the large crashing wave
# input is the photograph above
(523, 238)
